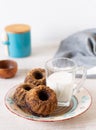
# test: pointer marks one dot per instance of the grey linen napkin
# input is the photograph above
(81, 47)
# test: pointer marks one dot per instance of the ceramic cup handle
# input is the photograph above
(4, 40)
(81, 78)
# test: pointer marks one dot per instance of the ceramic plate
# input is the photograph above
(79, 104)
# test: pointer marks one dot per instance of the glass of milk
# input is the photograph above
(61, 76)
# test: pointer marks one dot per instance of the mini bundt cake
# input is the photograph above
(19, 95)
(41, 101)
(36, 77)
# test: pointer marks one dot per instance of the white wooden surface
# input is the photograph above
(9, 121)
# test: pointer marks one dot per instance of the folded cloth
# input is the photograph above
(81, 47)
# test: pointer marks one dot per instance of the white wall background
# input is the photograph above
(51, 20)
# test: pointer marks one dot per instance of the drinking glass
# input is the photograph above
(61, 76)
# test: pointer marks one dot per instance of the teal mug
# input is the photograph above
(18, 40)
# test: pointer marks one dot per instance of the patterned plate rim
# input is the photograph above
(44, 119)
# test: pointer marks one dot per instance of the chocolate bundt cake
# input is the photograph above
(41, 101)
(19, 95)
(36, 77)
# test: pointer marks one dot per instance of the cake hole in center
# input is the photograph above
(26, 87)
(43, 95)
(38, 75)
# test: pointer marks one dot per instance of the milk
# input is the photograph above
(62, 83)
